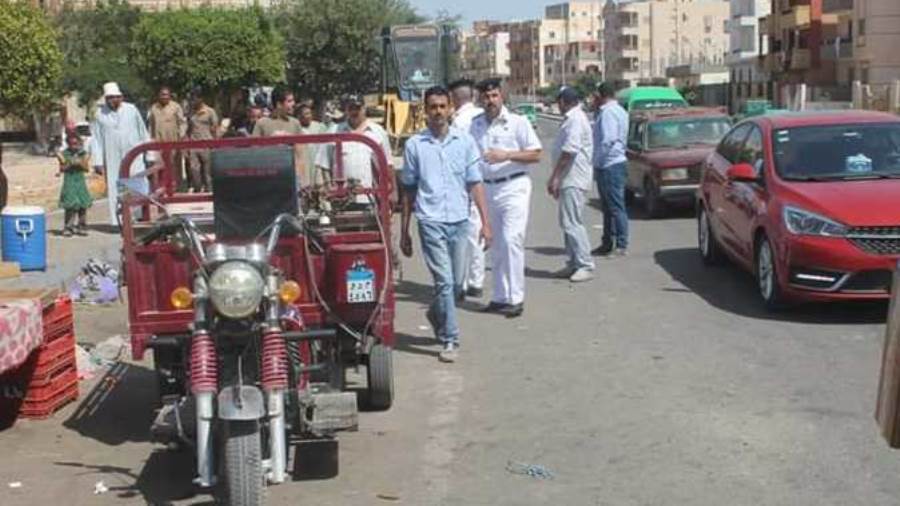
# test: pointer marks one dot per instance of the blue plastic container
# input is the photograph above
(24, 237)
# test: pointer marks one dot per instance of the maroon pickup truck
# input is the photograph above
(666, 150)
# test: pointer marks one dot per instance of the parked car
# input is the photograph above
(650, 97)
(666, 151)
(808, 202)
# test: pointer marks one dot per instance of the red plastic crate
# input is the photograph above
(58, 329)
(59, 381)
(49, 352)
(59, 310)
(49, 373)
(45, 409)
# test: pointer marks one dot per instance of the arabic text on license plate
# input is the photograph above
(360, 286)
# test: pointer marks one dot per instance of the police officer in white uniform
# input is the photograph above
(463, 94)
(509, 146)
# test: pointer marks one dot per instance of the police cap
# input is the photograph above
(494, 83)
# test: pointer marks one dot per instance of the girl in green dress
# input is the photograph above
(75, 199)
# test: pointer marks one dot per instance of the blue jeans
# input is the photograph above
(611, 185)
(444, 248)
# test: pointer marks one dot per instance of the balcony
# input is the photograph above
(797, 17)
(834, 52)
(800, 59)
(767, 25)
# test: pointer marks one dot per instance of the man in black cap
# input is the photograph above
(463, 94)
(570, 182)
(509, 147)
(358, 159)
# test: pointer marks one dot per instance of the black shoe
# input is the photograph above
(513, 310)
(475, 293)
(495, 307)
(602, 250)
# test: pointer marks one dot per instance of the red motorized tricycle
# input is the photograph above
(255, 299)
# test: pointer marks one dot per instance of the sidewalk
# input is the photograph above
(67, 255)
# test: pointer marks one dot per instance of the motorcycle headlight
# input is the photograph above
(802, 222)
(235, 289)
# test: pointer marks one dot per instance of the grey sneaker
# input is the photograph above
(619, 253)
(564, 273)
(582, 275)
(449, 353)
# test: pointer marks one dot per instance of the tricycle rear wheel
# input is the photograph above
(380, 376)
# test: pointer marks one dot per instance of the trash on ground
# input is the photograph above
(98, 283)
(15, 484)
(388, 497)
(84, 363)
(100, 488)
(110, 351)
(532, 470)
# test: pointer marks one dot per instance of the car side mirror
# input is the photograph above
(742, 172)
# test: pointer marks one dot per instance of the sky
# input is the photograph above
(472, 10)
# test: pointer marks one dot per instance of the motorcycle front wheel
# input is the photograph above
(244, 477)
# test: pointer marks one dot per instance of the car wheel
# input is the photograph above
(706, 240)
(767, 275)
(653, 204)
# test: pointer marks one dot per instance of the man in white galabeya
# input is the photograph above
(463, 94)
(117, 128)
(509, 147)
(570, 182)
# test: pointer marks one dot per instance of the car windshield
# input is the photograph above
(681, 133)
(657, 103)
(838, 152)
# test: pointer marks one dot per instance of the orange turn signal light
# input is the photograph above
(181, 298)
(289, 292)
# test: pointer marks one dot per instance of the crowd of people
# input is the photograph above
(467, 179)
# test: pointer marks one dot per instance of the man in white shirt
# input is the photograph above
(509, 147)
(570, 182)
(357, 158)
(463, 94)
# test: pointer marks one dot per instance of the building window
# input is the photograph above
(862, 27)
(552, 35)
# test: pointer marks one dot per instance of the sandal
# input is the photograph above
(67, 232)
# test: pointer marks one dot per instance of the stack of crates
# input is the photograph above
(48, 380)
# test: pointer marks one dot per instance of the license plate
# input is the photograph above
(360, 286)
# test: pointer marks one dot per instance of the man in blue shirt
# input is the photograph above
(440, 175)
(611, 170)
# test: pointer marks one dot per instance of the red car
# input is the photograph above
(808, 202)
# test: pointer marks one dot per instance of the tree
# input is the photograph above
(212, 48)
(31, 61)
(95, 45)
(333, 46)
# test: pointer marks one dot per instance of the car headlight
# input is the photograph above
(674, 174)
(801, 222)
(236, 288)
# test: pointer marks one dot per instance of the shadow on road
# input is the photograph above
(550, 251)
(540, 274)
(418, 345)
(120, 408)
(315, 459)
(165, 477)
(104, 229)
(414, 292)
(731, 289)
(672, 211)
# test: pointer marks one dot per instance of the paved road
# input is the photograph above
(659, 383)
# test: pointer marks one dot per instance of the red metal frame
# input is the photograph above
(153, 271)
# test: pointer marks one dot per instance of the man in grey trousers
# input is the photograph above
(570, 182)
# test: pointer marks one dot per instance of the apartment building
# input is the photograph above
(810, 41)
(525, 57)
(877, 40)
(159, 5)
(485, 51)
(571, 41)
(644, 37)
(748, 79)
